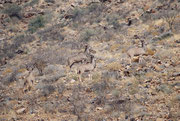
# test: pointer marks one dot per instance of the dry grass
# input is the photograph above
(114, 47)
(96, 76)
(115, 66)
(118, 89)
(150, 51)
(7, 71)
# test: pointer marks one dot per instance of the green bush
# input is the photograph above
(93, 7)
(13, 10)
(113, 20)
(50, 1)
(87, 34)
(35, 24)
(77, 13)
(31, 3)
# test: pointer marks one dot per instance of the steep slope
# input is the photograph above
(135, 44)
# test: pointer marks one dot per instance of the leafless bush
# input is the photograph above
(52, 56)
(101, 87)
(47, 90)
(169, 17)
(8, 51)
(50, 107)
(87, 34)
(78, 101)
(52, 33)
(112, 19)
(9, 78)
(81, 15)
(162, 36)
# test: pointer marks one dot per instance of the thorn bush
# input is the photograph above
(36, 23)
(13, 10)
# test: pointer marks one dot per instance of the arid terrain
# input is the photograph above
(89, 60)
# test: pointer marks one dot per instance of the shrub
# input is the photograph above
(50, 1)
(77, 13)
(82, 15)
(113, 20)
(133, 88)
(13, 11)
(36, 23)
(87, 34)
(31, 3)
(8, 51)
(165, 88)
(51, 33)
(21, 39)
(78, 102)
(93, 7)
(47, 90)
(101, 88)
(163, 36)
(169, 17)
(10, 78)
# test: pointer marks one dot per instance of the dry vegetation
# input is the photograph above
(136, 46)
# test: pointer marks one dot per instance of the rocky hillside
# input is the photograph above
(89, 60)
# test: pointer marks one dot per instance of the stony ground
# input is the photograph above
(136, 44)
